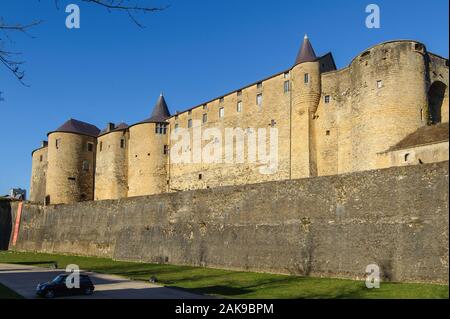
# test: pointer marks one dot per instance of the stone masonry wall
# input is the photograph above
(327, 226)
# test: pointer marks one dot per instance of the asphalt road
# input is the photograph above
(24, 279)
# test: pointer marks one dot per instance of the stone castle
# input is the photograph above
(389, 107)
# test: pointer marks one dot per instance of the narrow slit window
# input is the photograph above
(221, 112)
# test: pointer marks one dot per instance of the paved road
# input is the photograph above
(24, 279)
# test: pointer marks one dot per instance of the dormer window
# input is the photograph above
(161, 128)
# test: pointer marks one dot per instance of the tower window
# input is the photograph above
(85, 165)
(286, 86)
(90, 147)
(379, 84)
(40, 158)
(161, 128)
(259, 99)
(122, 143)
(328, 133)
(200, 177)
(239, 107)
(221, 112)
(205, 118)
(306, 78)
(327, 99)
(166, 149)
(189, 123)
(57, 143)
(100, 146)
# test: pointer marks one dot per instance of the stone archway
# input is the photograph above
(436, 98)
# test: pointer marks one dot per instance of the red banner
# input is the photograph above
(16, 227)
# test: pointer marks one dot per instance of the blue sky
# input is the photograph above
(111, 70)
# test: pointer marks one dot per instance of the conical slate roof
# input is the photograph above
(306, 53)
(78, 127)
(160, 112)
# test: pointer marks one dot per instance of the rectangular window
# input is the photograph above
(221, 100)
(166, 149)
(259, 85)
(161, 128)
(90, 147)
(40, 158)
(286, 75)
(189, 123)
(221, 112)
(379, 84)
(306, 78)
(85, 165)
(239, 93)
(239, 107)
(122, 143)
(57, 143)
(286, 86)
(200, 177)
(205, 106)
(259, 99)
(327, 99)
(205, 118)
(100, 146)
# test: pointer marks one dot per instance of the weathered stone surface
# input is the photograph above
(326, 226)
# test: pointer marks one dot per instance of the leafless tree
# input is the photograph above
(12, 60)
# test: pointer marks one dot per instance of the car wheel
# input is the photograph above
(88, 291)
(49, 294)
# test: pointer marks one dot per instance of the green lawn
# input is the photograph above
(234, 284)
(6, 293)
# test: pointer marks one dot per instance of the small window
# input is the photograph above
(166, 149)
(189, 123)
(286, 86)
(85, 165)
(259, 85)
(122, 143)
(259, 99)
(221, 100)
(306, 78)
(205, 106)
(176, 127)
(379, 84)
(40, 158)
(100, 146)
(239, 107)
(189, 112)
(205, 118)
(273, 123)
(221, 112)
(200, 177)
(161, 128)
(406, 157)
(57, 143)
(327, 99)
(286, 75)
(328, 133)
(90, 147)
(239, 93)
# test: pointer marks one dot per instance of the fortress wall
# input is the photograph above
(67, 180)
(38, 175)
(147, 163)
(112, 166)
(275, 106)
(330, 226)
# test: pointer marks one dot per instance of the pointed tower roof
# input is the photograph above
(78, 127)
(306, 53)
(160, 111)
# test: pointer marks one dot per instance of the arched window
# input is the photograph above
(436, 95)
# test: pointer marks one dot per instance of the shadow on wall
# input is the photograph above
(5, 224)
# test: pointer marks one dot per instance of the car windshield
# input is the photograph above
(58, 279)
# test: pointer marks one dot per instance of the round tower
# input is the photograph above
(306, 90)
(148, 153)
(38, 174)
(111, 173)
(71, 163)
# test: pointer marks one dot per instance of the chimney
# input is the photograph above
(110, 127)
